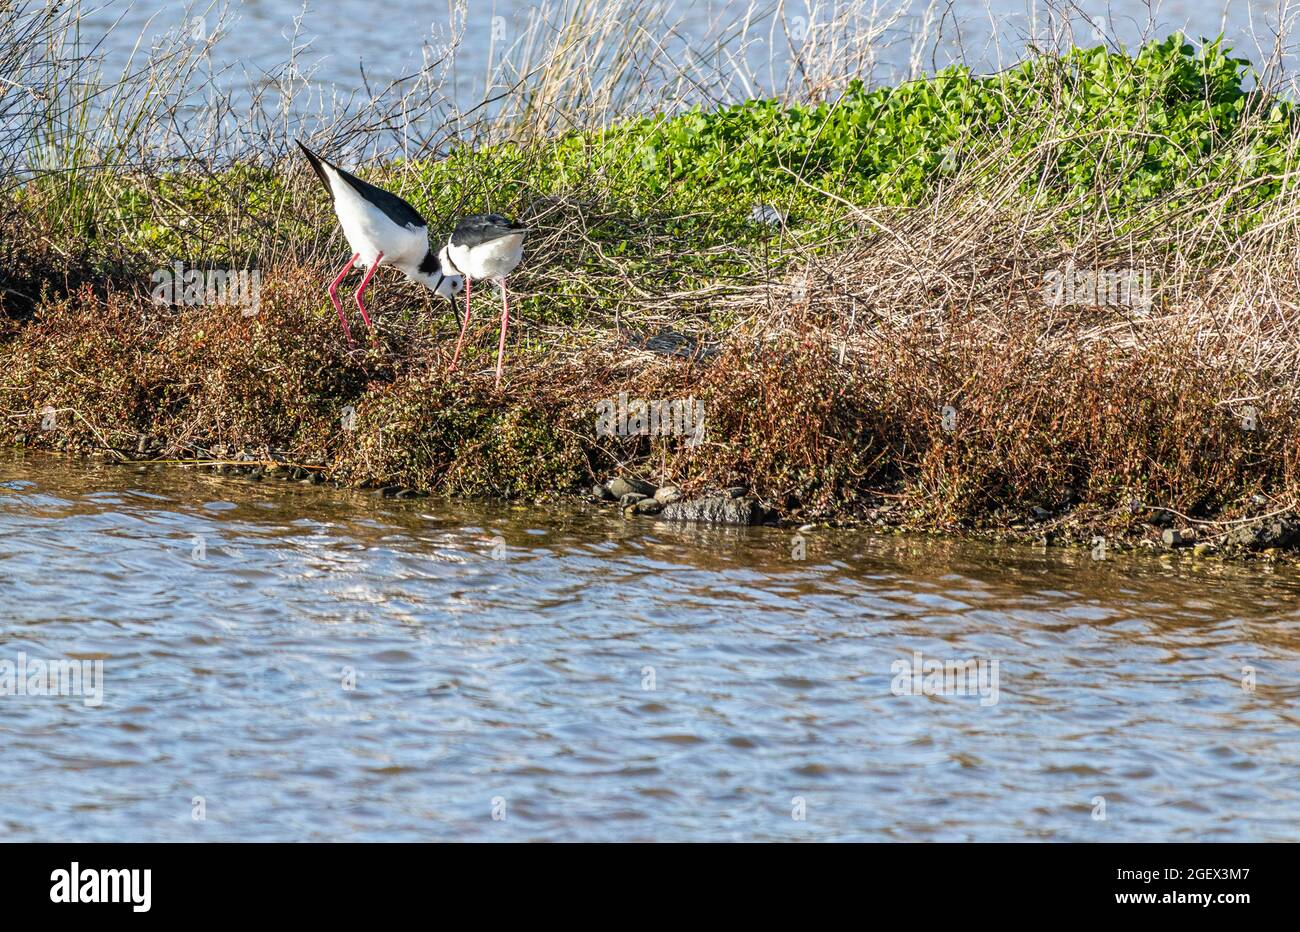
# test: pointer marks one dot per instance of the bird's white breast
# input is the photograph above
(494, 259)
(369, 231)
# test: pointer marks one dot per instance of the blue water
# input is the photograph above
(284, 662)
(339, 46)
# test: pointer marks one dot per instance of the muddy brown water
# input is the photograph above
(293, 662)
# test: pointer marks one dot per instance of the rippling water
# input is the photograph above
(595, 679)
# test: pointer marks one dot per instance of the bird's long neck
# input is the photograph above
(444, 261)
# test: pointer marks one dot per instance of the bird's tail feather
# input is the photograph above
(317, 164)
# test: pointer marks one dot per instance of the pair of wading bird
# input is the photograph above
(383, 229)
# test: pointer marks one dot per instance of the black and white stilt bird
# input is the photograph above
(484, 246)
(382, 229)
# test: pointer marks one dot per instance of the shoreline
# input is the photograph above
(1059, 300)
(1209, 542)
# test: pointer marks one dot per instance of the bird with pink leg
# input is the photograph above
(484, 247)
(381, 229)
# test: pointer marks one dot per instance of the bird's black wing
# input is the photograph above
(478, 229)
(392, 206)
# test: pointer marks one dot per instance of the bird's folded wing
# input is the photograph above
(483, 228)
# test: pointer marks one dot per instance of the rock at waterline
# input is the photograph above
(717, 509)
(619, 487)
(1281, 531)
(642, 506)
(668, 494)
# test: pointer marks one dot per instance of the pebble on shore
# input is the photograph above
(637, 497)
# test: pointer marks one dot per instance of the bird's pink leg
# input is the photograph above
(334, 297)
(505, 322)
(463, 328)
(362, 290)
